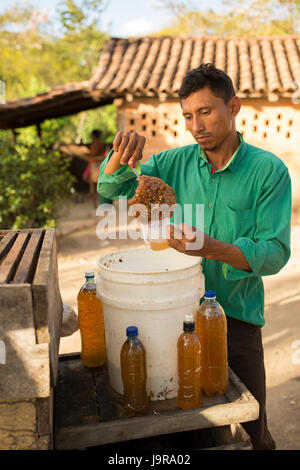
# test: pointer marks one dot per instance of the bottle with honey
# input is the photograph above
(134, 375)
(189, 366)
(91, 323)
(211, 327)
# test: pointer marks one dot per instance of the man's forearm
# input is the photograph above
(113, 164)
(227, 253)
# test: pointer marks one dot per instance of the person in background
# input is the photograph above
(91, 173)
(246, 193)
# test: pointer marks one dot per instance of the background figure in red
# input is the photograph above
(91, 173)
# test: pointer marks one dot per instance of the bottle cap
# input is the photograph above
(90, 273)
(189, 318)
(209, 294)
(189, 324)
(132, 331)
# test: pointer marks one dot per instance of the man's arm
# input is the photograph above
(183, 238)
(116, 179)
(268, 251)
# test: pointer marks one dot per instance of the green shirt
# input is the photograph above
(247, 203)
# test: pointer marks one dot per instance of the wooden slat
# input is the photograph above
(27, 264)
(47, 302)
(6, 243)
(13, 257)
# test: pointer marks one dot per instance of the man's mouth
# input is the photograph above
(201, 138)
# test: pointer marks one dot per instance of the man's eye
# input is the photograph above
(188, 118)
(206, 112)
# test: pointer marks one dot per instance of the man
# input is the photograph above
(246, 192)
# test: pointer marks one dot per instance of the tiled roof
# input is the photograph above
(155, 66)
(158, 65)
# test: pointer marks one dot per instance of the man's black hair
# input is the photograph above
(207, 75)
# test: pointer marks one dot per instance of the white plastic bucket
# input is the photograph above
(152, 290)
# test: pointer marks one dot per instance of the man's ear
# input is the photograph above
(235, 105)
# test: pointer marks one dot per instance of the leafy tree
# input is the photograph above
(36, 55)
(34, 184)
(235, 18)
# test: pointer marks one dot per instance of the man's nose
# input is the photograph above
(198, 125)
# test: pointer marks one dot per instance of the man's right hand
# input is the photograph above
(129, 147)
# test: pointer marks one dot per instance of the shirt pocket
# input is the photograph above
(241, 222)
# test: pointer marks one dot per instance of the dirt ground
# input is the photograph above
(78, 250)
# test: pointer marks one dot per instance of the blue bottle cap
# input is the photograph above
(209, 294)
(89, 273)
(131, 331)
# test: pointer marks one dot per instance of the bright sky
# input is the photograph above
(123, 18)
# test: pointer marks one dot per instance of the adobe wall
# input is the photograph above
(271, 126)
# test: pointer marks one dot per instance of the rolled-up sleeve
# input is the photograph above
(123, 182)
(269, 250)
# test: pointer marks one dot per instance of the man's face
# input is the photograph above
(209, 119)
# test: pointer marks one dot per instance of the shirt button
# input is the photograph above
(205, 226)
(209, 204)
(213, 180)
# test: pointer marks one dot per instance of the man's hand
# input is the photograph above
(189, 240)
(128, 148)
(194, 242)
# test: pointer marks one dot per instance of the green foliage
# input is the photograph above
(236, 18)
(34, 183)
(36, 55)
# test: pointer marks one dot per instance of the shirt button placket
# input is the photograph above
(213, 195)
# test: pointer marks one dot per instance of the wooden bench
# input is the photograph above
(30, 323)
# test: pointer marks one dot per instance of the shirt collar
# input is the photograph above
(232, 164)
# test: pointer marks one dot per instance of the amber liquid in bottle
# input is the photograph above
(134, 375)
(211, 327)
(91, 325)
(189, 367)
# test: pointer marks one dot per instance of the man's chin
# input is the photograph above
(208, 147)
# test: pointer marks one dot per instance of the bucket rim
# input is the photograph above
(112, 253)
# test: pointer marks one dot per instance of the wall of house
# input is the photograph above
(271, 126)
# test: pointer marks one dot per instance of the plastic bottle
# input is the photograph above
(189, 366)
(134, 375)
(91, 323)
(211, 327)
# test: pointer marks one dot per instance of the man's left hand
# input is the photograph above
(189, 240)
(194, 242)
